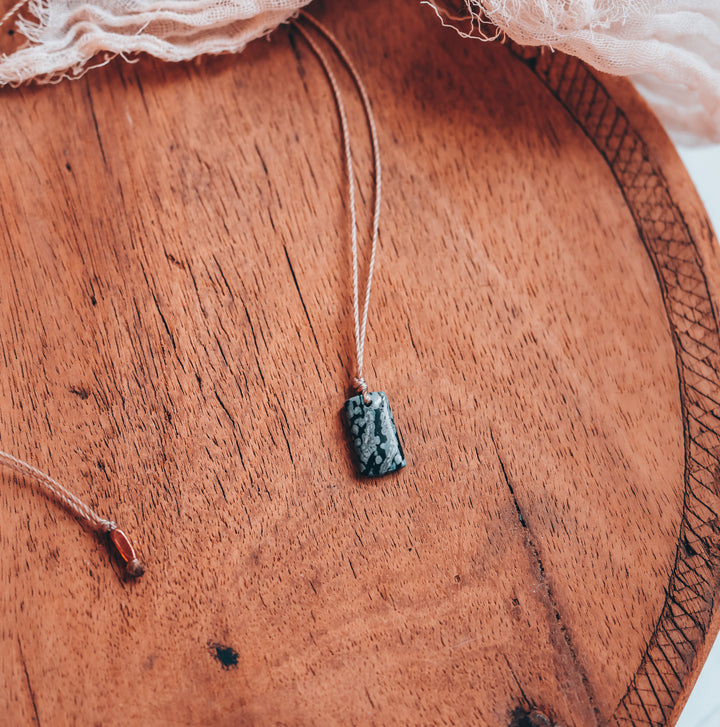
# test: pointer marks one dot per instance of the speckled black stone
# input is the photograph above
(373, 435)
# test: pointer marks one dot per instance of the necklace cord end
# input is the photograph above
(134, 567)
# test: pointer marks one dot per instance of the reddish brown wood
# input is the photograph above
(176, 339)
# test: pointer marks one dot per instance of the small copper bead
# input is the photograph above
(135, 568)
(123, 547)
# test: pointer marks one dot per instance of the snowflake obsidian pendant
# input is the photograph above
(370, 422)
(373, 435)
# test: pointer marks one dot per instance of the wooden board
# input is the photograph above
(176, 338)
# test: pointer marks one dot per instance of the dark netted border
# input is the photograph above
(681, 628)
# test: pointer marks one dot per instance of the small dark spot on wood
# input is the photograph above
(457, 578)
(80, 391)
(11, 32)
(171, 258)
(532, 717)
(226, 655)
(68, 167)
(101, 466)
(93, 300)
(689, 550)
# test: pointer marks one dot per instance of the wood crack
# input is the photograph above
(27, 680)
(95, 122)
(297, 287)
(537, 563)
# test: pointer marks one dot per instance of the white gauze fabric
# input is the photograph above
(670, 48)
(68, 36)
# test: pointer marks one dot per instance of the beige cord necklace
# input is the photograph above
(370, 422)
(89, 518)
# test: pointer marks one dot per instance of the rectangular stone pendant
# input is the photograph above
(373, 435)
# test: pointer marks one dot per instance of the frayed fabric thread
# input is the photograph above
(66, 37)
(669, 48)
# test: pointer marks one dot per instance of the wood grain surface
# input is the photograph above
(176, 340)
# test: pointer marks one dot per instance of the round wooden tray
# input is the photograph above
(176, 340)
